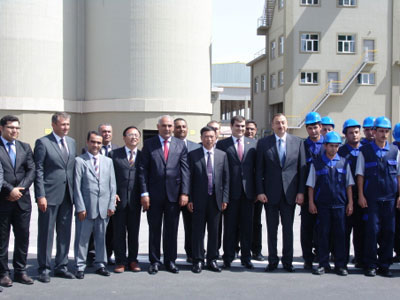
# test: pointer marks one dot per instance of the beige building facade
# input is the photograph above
(337, 57)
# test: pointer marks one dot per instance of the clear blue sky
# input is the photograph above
(234, 31)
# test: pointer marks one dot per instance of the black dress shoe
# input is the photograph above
(341, 271)
(23, 278)
(171, 267)
(43, 277)
(258, 257)
(289, 268)
(385, 272)
(79, 275)
(197, 267)
(189, 260)
(307, 265)
(248, 265)
(6, 281)
(213, 266)
(226, 265)
(271, 267)
(319, 271)
(64, 274)
(102, 271)
(153, 269)
(370, 272)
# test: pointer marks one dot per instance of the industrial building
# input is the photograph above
(340, 58)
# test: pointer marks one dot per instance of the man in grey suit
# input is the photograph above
(280, 177)
(94, 200)
(180, 132)
(209, 196)
(54, 156)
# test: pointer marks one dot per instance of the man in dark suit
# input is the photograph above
(127, 215)
(55, 160)
(209, 196)
(164, 179)
(280, 179)
(180, 132)
(241, 153)
(16, 159)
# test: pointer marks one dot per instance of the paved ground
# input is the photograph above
(233, 284)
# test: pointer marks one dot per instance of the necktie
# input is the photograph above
(105, 150)
(209, 173)
(166, 150)
(64, 151)
(239, 149)
(282, 152)
(131, 159)
(11, 153)
(96, 166)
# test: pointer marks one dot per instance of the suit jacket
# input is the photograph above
(199, 179)
(52, 173)
(241, 172)
(271, 178)
(164, 179)
(91, 193)
(85, 149)
(128, 188)
(22, 175)
(192, 146)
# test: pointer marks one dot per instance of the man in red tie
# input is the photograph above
(164, 184)
(241, 152)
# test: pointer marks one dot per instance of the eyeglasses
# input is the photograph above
(133, 135)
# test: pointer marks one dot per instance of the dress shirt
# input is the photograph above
(5, 142)
(58, 139)
(97, 159)
(211, 155)
(128, 153)
(162, 142)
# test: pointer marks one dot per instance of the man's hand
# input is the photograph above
(224, 205)
(300, 199)
(42, 204)
(398, 203)
(117, 199)
(190, 206)
(312, 208)
(183, 200)
(110, 212)
(349, 209)
(15, 194)
(362, 201)
(145, 201)
(82, 215)
(262, 198)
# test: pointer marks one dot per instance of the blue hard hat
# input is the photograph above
(368, 122)
(382, 122)
(396, 132)
(327, 121)
(333, 138)
(350, 123)
(313, 117)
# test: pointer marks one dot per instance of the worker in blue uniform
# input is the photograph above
(330, 198)
(313, 148)
(355, 222)
(327, 125)
(368, 124)
(377, 172)
(396, 258)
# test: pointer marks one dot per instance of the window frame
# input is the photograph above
(281, 45)
(310, 40)
(281, 4)
(281, 81)
(255, 89)
(272, 81)
(310, 4)
(346, 5)
(272, 49)
(263, 83)
(344, 42)
(360, 82)
(309, 72)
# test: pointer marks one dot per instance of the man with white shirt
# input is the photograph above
(209, 196)
(241, 153)
(94, 200)
(127, 215)
(280, 180)
(54, 157)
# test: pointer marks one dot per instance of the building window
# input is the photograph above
(347, 2)
(281, 45)
(281, 4)
(309, 42)
(273, 47)
(309, 78)
(346, 43)
(256, 85)
(263, 83)
(366, 78)
(273, 81)
(309, 2)
(280, 78)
